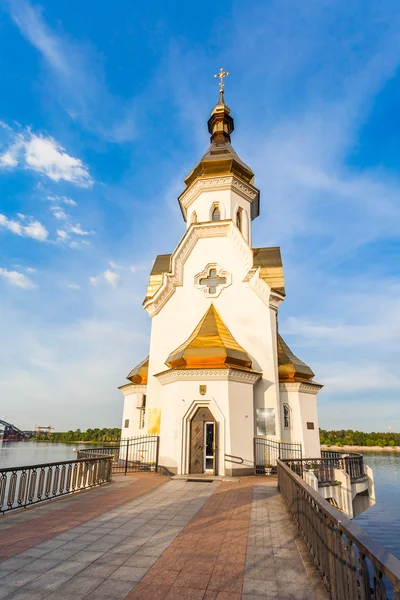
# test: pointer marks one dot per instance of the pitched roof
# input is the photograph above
(210, 345)
(271, 270)
(161, 265)
(291, 368)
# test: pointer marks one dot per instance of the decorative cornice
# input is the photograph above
(275, 299)
(130, 388)
(237, 375)
(299, 386)
(195, 232)
(210, 184)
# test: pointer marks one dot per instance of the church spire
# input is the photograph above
(220, 158)
(220, 124)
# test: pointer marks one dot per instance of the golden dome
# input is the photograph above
(139, 373)
(291, 368)
(211, 345)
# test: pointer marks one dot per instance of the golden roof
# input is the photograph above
(211, 345)
(161, 265)
(221, 158)
(291, 368)
(139, 373)
(271, 270)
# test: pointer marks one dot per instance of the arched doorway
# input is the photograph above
(203, 438)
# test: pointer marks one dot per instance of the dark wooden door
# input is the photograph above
(197, 441)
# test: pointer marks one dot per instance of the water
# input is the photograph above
(382, 521)
(22, 454)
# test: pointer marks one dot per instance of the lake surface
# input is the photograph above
(22, 454)
(382, 521)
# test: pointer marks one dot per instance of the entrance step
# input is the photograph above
(205, 478)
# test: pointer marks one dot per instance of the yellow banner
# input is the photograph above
(154, 420)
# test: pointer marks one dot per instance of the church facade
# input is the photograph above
(218, 372)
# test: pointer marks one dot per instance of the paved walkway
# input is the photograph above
(154, 540)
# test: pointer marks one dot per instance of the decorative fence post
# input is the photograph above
(126, 456)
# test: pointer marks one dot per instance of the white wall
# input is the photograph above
(132, 397)
(245, 314)
(231, 404)
(303, 406)
(229, 202)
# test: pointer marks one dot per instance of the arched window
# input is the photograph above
(216, 214)
(239, 219)
(194, 217)
(286, 416)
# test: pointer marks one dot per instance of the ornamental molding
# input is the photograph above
(195, 232)
(205, 273)
(173, 375)
(131, 388)
(211, 184)
(300, 386)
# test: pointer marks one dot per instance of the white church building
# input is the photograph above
(218, 373)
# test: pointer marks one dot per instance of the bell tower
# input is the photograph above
(221, 186)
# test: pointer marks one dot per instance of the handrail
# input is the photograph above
(238, 461)
(323, 467)
(24, 486)
(339, 547)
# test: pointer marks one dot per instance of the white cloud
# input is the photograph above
(16, 279)
(33, 229)
(45, 156)
(62, 200)
(114, 265)
(110, 277)
(30, 270)
(63, 235)
(48, 157)
(77, 229)
(73, 286)
(59, 213)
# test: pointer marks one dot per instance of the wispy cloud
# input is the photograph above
(75, 77)
(27, 227)
(45, 156)
(109, 277)
(16, 279)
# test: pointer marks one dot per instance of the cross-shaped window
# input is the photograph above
(212, 281)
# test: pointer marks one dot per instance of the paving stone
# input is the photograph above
(12, 564)
(129, 573)
(112, 590)
(112, 558)
(41, 565)
(77, 587)
(25, 594)
(140, 561)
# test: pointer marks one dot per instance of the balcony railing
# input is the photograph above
(352, 565)
(324, 467)
(128, 455)
(22, 486)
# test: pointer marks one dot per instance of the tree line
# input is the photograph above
(90, 435)
(348, 437)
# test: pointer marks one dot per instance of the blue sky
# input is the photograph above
(104, 112)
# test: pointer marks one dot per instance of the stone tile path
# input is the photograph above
(183, 540)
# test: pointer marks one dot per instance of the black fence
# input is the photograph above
(267, 452)
(324, 467)
(353, 566)
(129, 455)
(22, 486)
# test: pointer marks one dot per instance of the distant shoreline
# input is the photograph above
(362, 448)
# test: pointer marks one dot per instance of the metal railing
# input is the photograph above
(267, 452)
(324, 467)
(130, 455)
(22, 486)
(352, 565)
